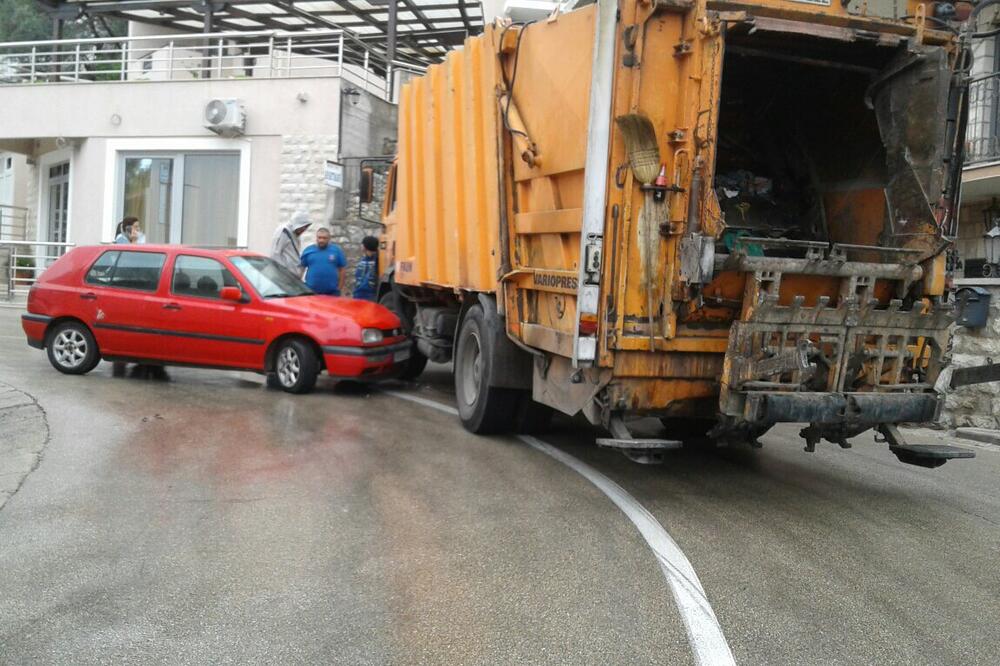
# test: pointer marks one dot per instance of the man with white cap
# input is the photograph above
(285, 244)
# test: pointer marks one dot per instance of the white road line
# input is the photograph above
(704, 633)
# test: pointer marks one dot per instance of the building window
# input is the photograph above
(58, 203)
(190, 198)
(983, 132)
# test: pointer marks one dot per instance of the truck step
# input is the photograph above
(929, 455)
(643, 451)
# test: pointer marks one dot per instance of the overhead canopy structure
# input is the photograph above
(420, 31)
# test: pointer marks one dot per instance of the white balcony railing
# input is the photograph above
(982, 137)
(21, 262)
(13, 222)
(264, 54)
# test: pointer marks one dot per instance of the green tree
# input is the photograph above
(22, 21)
(26, 20)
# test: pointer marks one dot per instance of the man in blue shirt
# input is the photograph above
(324, 263)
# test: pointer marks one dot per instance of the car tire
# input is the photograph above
(72, 349)
(414, 365)
(296, 366)
(482, 408)
(272, 381)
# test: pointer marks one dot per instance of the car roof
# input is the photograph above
(174, 249)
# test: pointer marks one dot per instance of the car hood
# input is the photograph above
(365, 313)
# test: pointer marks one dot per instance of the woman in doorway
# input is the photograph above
(129, 231)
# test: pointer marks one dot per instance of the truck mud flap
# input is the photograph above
(765, 407)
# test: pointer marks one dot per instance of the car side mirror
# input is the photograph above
(231, 294)
(366, 185)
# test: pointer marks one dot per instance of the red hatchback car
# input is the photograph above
(177, 305)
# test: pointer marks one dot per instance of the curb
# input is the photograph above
(985, 435)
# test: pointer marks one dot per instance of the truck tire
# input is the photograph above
(482, 408)
(417, 361)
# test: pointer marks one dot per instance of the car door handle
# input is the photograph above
(89, 296)
(171, 306)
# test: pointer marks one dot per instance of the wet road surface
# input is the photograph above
(206, 519)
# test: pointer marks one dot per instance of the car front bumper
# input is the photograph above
(374, 362)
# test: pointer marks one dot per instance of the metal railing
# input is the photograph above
(982, 137)
(23, 261)
(264, 54)
(13, 222)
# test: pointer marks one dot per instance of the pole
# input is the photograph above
(206, 63)
(390, 49)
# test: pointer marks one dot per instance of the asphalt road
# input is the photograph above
(205, 519)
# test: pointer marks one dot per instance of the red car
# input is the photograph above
(177, 305)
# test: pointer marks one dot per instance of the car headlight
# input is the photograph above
(371, 336)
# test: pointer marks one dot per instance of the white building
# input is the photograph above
(99, 147)
(13, 194)
(101, 129)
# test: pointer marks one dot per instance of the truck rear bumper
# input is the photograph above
(841, 408)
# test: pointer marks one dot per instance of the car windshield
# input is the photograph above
(269, 278)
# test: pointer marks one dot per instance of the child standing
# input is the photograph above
(366, 272)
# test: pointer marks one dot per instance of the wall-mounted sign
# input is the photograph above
(333, 174)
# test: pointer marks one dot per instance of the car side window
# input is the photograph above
(201, 277)
(100, 272)
(138, 270)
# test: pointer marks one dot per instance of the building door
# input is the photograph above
(6, 180)
(58, 205)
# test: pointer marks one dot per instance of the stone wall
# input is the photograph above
(369, 131)
(352, 227)
(978, 405)
(303, 160)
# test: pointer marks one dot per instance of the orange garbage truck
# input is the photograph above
(724, 214)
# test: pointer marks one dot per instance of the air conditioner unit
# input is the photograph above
(226, 117)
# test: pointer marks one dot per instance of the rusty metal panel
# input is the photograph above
(446, 227)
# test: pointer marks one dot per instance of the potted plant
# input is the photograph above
(24, 271)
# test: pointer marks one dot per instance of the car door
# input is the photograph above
(206, 329)
(115, 301)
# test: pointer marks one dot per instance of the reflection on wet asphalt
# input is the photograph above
(207, 519)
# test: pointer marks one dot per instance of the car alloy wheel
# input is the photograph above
(70, 348)
(289, 367)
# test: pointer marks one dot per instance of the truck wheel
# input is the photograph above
(296, 366)
(417, 361)
(72, 349)
(483, 409)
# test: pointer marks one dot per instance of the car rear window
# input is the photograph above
(127, 270)
(100, 272)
